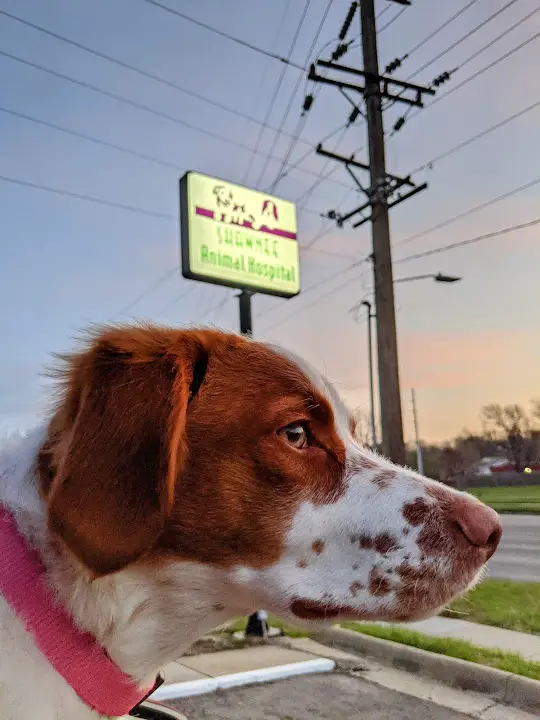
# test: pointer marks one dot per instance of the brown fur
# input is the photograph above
(165, 442)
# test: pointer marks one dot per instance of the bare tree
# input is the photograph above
(510, 424)
(362, 431)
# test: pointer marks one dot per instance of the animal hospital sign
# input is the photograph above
(232, 235)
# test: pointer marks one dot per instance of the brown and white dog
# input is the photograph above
(189, 476)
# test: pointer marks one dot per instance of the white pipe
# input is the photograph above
(248, 677)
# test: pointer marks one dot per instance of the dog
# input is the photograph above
(186, 477)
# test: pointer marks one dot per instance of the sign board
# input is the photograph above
(232, 235)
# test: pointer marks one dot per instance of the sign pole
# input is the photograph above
(246, 324)
(257, 625)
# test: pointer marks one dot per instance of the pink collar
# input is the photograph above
(74, 654)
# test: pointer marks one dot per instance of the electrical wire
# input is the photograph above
(176, 300)
(304, 198)
(499, 37)
(303, 119)
(276, 92)
(297, 163)
(475, 75)
(470, 241)
(123, 148)
(160, 281)
(492, 64)
(393, 20)
(130, 103)
(475, 209)
(439, 29)
(320, 297)
(478, 136)
(136, 70)
(462, 39)
(223, 34)
(87, 198)
(417, 256)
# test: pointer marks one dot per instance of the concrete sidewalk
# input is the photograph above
(230, 662)
(385, 691)
(486, 636)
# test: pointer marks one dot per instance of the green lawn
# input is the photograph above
(505, 604)
(524, 499)
(510, 662)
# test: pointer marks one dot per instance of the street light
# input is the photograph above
(439, 278)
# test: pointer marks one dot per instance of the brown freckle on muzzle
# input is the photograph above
(384, 479)
(385, 543)
(366, 542)
(355, 588)
(301, 564)
(416, 512)
(378, 585)
(318, 547)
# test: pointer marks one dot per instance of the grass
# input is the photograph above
(511, 662)
(525, 499)
(502, 603)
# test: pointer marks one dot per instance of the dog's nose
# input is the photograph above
(478, 523)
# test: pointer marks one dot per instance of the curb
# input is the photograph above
(505, 687)
(248, 677)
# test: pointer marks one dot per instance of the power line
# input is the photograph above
(176, 300)
(130, 103)
(320, 297)
(393, 20)
(276, 91)
(297, 163)
(462, 39)
(90, 138)
(223, 34)
(117, 205)
(303, 118)
(309, 192)
(417, 256)
(87, 198)
(470, 241)
(499, 37)
(475, 209)
(439, 29)
(481, 71)
(478, 136)
(328, 230)
(160, 281)
(134, 69)
(476, 74)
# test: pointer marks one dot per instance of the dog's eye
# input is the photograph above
(295, 435)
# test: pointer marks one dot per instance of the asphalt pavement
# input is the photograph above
(326, 697)
(518, 555)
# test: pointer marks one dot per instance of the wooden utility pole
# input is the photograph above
(384, 192)
(389, 388)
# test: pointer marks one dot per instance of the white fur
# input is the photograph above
(146, 618)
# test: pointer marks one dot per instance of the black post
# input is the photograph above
(256, 624)
(246, 326)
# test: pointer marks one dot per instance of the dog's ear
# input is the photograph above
(123, 444)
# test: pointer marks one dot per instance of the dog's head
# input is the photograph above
(173, 446)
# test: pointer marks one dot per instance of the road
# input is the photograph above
(326, 697)
(518, 555)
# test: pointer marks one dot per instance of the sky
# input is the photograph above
(67, 262)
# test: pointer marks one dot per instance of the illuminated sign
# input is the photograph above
(232, 235)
